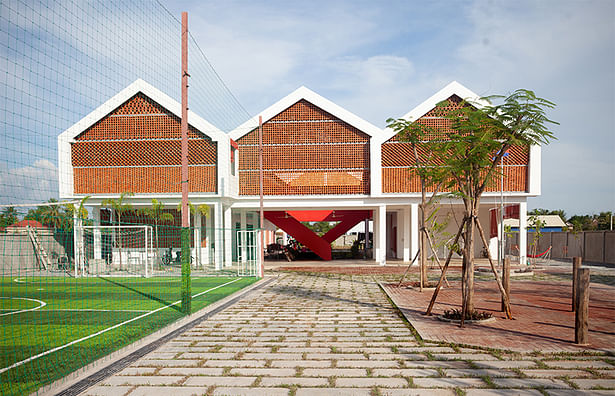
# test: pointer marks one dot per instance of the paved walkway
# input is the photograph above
(337, 335)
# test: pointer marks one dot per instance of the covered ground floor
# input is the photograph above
(228, 232)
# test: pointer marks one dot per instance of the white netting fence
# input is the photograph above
(126, 250)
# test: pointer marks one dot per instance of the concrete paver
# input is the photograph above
(337, 335)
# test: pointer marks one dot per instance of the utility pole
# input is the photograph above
(261, 270)
(185, 233)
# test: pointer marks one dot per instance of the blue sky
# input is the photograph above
(381, 59)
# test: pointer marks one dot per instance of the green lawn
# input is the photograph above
(77, 308)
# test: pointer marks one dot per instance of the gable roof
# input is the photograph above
(151, 92)
(454, 88)
(313, 98)
(547, 220)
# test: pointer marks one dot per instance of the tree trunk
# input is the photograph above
(119, 223)
(467, 288)
(422, 246)
(443, 274)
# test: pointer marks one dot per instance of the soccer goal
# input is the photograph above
(120, 250)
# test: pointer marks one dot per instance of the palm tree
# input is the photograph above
(81, 212)
(76, 214)
(202, 209)
(119, 206)
(157, 213)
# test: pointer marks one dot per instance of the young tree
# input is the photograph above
(75, 216)
(426, 152)
(535, 225)
(202, 209)
(80, 212)
(480, 136)
(119, 206)
(8, 216)
(157, 213)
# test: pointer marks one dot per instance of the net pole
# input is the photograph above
(185, 233)
(261, 269)
(146, 255)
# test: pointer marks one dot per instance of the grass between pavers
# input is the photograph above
(80, 307)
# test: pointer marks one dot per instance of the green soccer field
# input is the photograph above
(51, 326)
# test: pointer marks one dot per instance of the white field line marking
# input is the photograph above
(98, 310)
(107, 329)
(18, 280)
(24, 310)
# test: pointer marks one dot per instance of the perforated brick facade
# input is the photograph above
(399, 175)
(169, 233)
(305, 151)
(137, 148)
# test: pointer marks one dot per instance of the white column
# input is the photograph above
(399, 224)
(406, 233)
(228, 237)
(380, 228)
(376, 238)
(218, 237)
(414, 230)
(242, 241)
(97, 236)
(523, 233)
(197, 239)
(205, 251)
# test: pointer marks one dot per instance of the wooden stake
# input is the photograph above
(581, 317)
(408, 268)
(495, 272)
(576, 264)
(506, 280)
(448, 260)
(435, 254)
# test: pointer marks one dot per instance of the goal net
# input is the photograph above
(121, 250)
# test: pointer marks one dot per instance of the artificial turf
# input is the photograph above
(76, 308)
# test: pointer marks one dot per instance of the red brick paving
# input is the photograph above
(541, 310)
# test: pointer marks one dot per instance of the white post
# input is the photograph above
(97, 235)
(197, 239)
(205, 252)
(406, 233)
(414, 230)
(523, 233)
(376, 239)
(228, 237)
(381, 238)
(76, 250)
(242, 240)
(218, 234)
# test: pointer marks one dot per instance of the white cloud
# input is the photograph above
(34, 183)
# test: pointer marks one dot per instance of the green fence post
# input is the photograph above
(186, 286)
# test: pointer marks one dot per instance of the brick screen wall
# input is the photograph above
(137, 148)
(305, 151)
(169, 233)
(399, 176)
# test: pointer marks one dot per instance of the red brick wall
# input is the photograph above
(137, 148)
(398, 175)
(306, 151)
